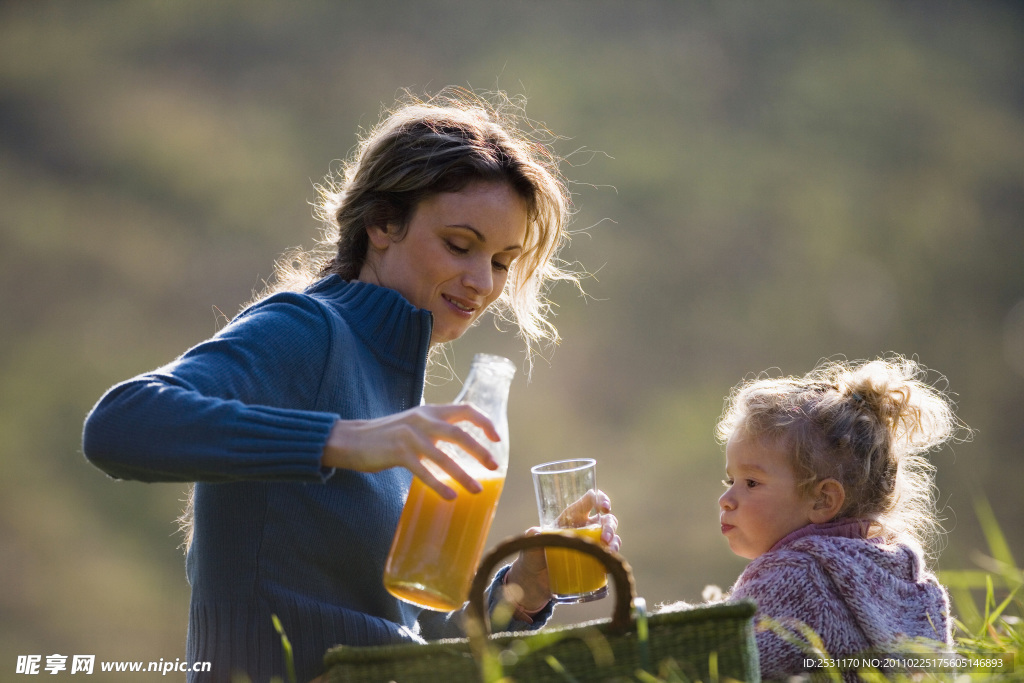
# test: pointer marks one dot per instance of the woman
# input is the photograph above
(301, 421)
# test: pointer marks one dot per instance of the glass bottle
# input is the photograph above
(438, 543)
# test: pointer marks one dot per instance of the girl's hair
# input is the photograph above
(867, 424)
(423, 148)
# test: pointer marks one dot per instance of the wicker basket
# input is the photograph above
(703, 643)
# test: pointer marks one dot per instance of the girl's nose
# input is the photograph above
(726, 502)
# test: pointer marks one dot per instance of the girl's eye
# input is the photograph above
(751, 483)
(727, 483)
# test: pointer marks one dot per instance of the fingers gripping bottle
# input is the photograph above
(438, 544)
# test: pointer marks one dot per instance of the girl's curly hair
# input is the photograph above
(867, 424)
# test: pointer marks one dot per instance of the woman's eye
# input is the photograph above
(454, 248)
(498, 265)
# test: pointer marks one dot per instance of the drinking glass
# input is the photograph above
(566, 492)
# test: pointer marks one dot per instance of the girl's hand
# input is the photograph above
(527, 582)
(409, 439)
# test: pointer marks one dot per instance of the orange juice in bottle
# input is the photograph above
(438, 543)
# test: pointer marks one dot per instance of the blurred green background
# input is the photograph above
(758, 185)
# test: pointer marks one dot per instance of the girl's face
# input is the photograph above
(454, 257)
(762, 504)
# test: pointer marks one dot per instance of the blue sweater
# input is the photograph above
(246, 415)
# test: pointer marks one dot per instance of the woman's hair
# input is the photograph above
(867, 424)
(423, 148)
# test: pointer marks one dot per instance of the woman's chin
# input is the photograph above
(449, 330)
(445, 336)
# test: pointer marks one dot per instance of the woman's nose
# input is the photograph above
(479, 277)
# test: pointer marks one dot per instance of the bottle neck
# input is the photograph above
(487, 390)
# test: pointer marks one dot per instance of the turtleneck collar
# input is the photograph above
(385, 320)
(847, 527)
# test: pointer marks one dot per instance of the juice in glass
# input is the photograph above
(573, 573)
(438, 544)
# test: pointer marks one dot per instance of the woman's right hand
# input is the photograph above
(409, 439)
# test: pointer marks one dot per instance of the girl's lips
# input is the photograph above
(726, 528)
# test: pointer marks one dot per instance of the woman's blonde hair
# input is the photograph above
(867, 424)
(422, 148)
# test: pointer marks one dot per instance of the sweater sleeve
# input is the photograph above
(238, 406)
(790, 595)
(435, 625)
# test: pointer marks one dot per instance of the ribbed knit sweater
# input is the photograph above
(858, 594)
(246, 415)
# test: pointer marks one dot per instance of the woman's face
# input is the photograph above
(454, 257)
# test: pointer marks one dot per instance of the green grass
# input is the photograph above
(989, 601)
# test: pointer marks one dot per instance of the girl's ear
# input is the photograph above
(829, 496)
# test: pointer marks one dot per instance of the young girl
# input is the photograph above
(829, 493)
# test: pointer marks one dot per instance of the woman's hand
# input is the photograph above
(526, 582)
(409, 439)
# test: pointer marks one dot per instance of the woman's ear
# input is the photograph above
(379, 237)
(829, 496)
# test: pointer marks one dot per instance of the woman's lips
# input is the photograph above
(460, 306)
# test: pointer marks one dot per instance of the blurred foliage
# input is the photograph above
(758, 184)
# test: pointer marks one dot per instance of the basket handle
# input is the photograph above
(614, 563)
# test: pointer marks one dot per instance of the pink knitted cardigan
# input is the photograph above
(857, 593)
